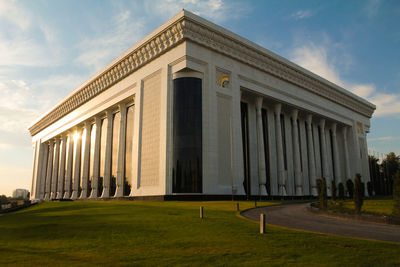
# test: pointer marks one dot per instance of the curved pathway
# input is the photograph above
(297, 216)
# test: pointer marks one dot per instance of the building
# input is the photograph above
(196, 110)
(20, 193)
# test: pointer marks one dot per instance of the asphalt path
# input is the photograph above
(297, 216)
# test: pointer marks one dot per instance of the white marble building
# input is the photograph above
(196, 110)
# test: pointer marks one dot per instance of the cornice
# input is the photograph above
(188, 26)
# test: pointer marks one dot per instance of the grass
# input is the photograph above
(370, 206)
(121, 233)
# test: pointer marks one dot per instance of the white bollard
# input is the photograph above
(262, 223)
(201, 212)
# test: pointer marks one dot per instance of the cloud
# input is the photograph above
(302, 14)
(383, 138)
(371, 8)
(319, 59)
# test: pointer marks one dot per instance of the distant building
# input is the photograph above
(194, 110)
(20, 193)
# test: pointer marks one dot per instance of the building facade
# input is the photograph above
(196, 110)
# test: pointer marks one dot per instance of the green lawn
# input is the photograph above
(371, 206)
(170, 233)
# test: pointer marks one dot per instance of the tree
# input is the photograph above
(341, 191)
(350, 187)
(333, 190)
(396, 196)
(358, 193)
(390, 165)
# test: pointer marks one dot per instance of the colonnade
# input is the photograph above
(311, 157)
(70, 163)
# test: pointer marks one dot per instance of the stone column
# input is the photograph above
(77, 165)
(272, 153)
(86, 161)
(311, 159)
(296, 155)
(54, 178)
(336, 162)
(279, 149)
(61, 174)
(346, 155)
(262, 179)
(49, 170)
(39, 169)
(325, 167)
(44, 170)
(96, 159)
(68, 177)
(119, 192)
(108, 156)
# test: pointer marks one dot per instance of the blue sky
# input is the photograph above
(48, 48)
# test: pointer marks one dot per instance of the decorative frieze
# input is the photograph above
(186, 28)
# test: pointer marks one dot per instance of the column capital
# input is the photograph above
(109, 114)
(295, 114)
(322, 123)
(333, 127)
(121, 106)
(259, 102)
(278, 108)
(88, 123)
(309, 119)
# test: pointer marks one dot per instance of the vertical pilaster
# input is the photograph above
(296, 155)
(279, 148)
(121, 152)
(273, 171)
(311, 156)
(77, 164)
(107, 166)
(346, 154)
(61, 174)
(262, 179)
(44, 170)
(336, 162)
(54, 178)
(86, 161)
(68, 177)
(49, 170)
(96, 159)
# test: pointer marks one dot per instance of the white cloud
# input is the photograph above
(372, 8)
(302, 14)
(317, 59)
(383, 138)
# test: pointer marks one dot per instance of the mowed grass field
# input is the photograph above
(122, 233)
(371, 206)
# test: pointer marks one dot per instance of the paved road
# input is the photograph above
(297, 216)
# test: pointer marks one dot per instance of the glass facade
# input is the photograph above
(245, 144)
(129, 150)
(187, 136)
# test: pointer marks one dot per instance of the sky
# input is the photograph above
(48, 48)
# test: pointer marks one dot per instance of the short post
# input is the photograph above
(262, 223)
(237, 207)
(201, 212)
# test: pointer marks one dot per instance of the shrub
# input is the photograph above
(350, 187)
(341, 191)
(318, 181)
(323, 199)
(358, 193)
(396, 195)
(370, 189)
(333, 190)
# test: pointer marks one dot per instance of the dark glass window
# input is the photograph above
(245, 144)
(187, 136)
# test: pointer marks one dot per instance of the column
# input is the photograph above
(121, 152)
(346, 154)
(86, 161)
(311, 157)
(49, 170)
(54, 178)
(262, 179)
(325, 168)
(77, 165)
(44, 170)
(107, 167)
(279, 149)
(96, 160)
(68, 177)
(296, 155)
(272, 153)
(61, 174)
(336, 162)
(39, 169)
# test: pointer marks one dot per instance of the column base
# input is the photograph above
(67, 194)
(263, 190)
(59, 195)
(52, 195)
(46, 196)
(119, 192)
(282, 190)
(93, 194)
(83, 194)
(314, 191)
(74, 194)
(106, 193)
(299, 190)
